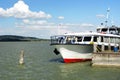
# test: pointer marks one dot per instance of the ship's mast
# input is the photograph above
(107, 16)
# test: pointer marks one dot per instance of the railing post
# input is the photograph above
(109, 47)
(95, 48)
(103, 47)
(119, 46)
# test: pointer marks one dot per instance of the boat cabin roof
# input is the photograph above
(88, 34)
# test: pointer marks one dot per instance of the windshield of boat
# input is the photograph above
(104, 30)
(79, 39)
(87, 38)
(72, 39)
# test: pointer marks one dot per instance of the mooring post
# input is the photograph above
(21, 60)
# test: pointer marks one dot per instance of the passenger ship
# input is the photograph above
(78, 47)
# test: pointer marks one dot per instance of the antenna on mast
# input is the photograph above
(107, 16)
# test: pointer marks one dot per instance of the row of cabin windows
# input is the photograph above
(96, 39)
(110, 39)
(112, 30)
(79, 39)
(86, 39)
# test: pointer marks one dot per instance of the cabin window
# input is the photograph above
(118, 30)
(106, 39)
(79, 39)
(104, 30)
(87, 39)
(72, 39)
(112, 39)
(98, 30)
(116, 40)
(68, 39)
(112, 31)
(119, 40)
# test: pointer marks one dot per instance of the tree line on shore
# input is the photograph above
(5, 38)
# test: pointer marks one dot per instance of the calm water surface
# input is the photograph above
(42, 64)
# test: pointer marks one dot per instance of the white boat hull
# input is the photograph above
(75, 53)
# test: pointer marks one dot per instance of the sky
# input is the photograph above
(44, 18)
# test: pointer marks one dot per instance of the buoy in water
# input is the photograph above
(21, 60)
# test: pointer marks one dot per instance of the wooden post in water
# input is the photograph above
(21, 60)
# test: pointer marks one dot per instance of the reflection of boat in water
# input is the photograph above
(77, 47)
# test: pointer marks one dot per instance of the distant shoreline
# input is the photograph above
(16, 38)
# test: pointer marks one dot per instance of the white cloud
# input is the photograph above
(77, 25)
(34, 22)
(60, 17)
(48, 29)
(21, 10)
(29, 26)
(86, 25)
(63, 31)
(26, 21)
(40, 23)
(100, 16)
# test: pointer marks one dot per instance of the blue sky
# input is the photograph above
(43, 18)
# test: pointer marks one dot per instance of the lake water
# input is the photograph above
(42, 64)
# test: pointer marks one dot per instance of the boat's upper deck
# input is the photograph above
(88, 34)
(109, 30)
